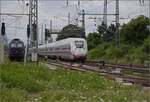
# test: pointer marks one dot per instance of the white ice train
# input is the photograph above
(70, 49)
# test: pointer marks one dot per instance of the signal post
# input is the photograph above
(2, 43)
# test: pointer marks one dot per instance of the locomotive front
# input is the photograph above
(79, 49)
(16, 49)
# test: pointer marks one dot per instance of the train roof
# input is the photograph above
(66, 40)
(62, 41)
(69, 39)
(16, 40)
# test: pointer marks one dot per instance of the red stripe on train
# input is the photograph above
(85, 55)
(16, 53)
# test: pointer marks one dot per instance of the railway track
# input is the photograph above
(86, 68)
(137, 69)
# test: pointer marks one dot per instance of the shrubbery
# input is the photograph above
(98, 52)
(125, 54)
(93, 40)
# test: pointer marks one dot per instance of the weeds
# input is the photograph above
(130, 72)
(24, 77)
(19, 83)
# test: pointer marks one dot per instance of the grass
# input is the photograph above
(12, 94)
(31, 83)
(24, 77)
(143, 75)
(130, 72)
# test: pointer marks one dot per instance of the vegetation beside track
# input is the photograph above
(126, 54)
(32, 83)
(134, 43)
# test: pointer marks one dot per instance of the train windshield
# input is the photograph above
(16, 45)
(13, 45)
(79, 44)
(19, 45)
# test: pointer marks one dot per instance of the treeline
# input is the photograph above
(71, 31)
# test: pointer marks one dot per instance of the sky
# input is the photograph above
(57, 11)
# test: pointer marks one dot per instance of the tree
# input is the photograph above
(93, 39)
(135, 31)
(107, 32)
(71, 31)
(102, 28)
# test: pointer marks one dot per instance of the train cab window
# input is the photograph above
(13, 45)
(19, 45)
(79, 44)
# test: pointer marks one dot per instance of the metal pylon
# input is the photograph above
(33, 20)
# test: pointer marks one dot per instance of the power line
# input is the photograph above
(75, 0)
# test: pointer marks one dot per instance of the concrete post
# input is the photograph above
(1, 50)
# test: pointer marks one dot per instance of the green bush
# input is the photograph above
(108, 51)
(98, 52)
(125, 54)
(113, 52)
(136, 55)
(93, 39)
(146, 45)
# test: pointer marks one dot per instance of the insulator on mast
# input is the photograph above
(67, 3)
(78, 2)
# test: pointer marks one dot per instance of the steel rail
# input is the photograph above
(126, 78)
(139, 69)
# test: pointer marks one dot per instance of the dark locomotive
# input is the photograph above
(16, 50)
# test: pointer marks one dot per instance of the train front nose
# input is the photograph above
(80, 51)
(80, 54)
